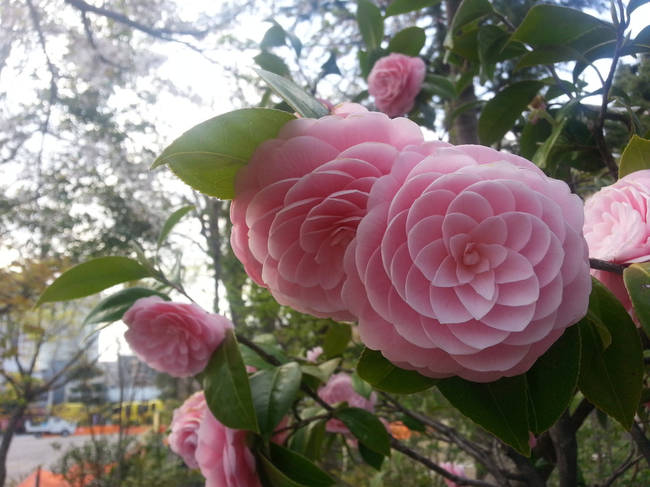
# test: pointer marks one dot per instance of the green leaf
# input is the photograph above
(372, 458)
(309, 440)
(404, 6)
(171, 222)
(323, 371)
(274, 390)
(637, 283)
(552, 381)
(298, 468)
(208, 156)
(336, 339)
(491, 40)
(371, 23)
(542, 156)
(383, 375)
(275, 477)
(274, 37)
(253, 359)
(611, 378)
(330, 66)
(634, 4)
(114, 306)
(360, 386)
(226, 386)
(501, 112)
(532, 136)
(409, 41)
(366, 428)
(635, 157)
(497, 407)
(552, 25)
(303, 103)
(467, 11)
(270, 62)
(91, 277)
(439, 85)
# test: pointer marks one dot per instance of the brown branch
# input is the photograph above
(641, 441)
(604, 265)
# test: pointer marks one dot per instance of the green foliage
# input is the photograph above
(371, 23)
(635, 157)
(336, 339)
(301, 102)
(409, 41)
(274, 391)
(113, 307)
(298, 468)
(611, 374)
(171, 222)
(398, 7)
(208, 156)
(383, 375)
(366, 428)
(92, 277)
(637, 283)
(227, 389)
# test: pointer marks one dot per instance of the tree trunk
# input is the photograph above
(563, 435)
(464, 129)
(8, 435)
(213, 207)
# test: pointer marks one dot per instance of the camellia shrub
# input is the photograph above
(457, 267)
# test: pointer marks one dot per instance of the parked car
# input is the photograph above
(51, 425)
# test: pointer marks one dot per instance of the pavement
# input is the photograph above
(27, 452)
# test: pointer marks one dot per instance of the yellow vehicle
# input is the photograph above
(137, 412)
(71, 411)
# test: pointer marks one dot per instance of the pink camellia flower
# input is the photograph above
(456, 469)
(469, 262)
(617, 227)
(314, 353)
(185, 423)
(339, 388)
(223, 455)
(395, 81)
(174, 338)
(299, 200)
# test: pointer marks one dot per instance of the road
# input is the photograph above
(27, 452)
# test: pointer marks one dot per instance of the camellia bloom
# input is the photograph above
(456, 469)
(186, 419)
(617, 227)
(299, 200)
(395, 81)
(223, 456)
(175, 338)
(339, 388)
(314, 353)
(471, 263)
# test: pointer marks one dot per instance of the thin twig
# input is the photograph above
(604, 265)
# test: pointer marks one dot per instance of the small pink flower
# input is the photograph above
(300, 198)
(223, 455)
(174, 338)
(455, 468)
(471, 263)
(617, 227)
(339, 388)
(314, 353)
(185, 423)
(395, 81)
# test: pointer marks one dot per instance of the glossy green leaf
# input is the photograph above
(208, 156)
(336, 339)
(322, 371)
(611, 378)
(637, 283)
(251, 358)
(552, 25)
(309, 440)
(92, 277)
(552, 381)
(303, 103)
(271, 62)
(491, 40)
(549, 55)
(366, 428)
(114, 306)
(499, 407)
(274, 391)
(635, 157)
(274, 476)
(501, 112)
(227, 389)
(273, 37)
(542, 156)
(171, 222)
(409, 41)
(634, 4)
(439, 85)
(404, 6)
(299, 468)
(372, 458)
(470, 10)
(360, 386)
(371, 23)
(532, 137)
(383, 375)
